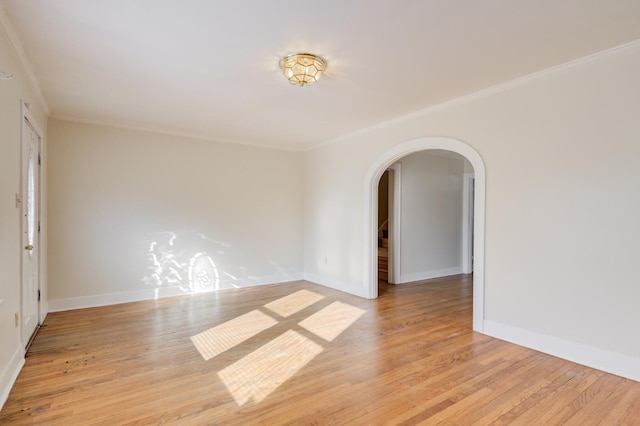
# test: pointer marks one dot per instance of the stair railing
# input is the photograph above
(381, 228)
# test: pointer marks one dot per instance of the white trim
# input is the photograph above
(10, 373)
(42, 213)
(394, 228)
(167, 132)
(591, 356)
(14, 41)
(482, 93)
(66, 304)
(427, 275)
(27, 117)
(371, 213)
(342, 286)
(467, 223)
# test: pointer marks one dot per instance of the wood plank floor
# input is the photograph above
(297, 353)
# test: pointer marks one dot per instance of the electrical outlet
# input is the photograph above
(17, 318)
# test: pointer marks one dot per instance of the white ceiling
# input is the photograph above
(209, 68)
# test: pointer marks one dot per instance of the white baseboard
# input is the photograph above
(336, 285)
(427, 275)
(363, 292)
(57, 305)
(600, 359)
(10, 373)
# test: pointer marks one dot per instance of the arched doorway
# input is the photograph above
(371, 214)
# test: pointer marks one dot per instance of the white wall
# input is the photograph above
(12, 92)
(131, 211)
(431, 216)
(562, 205)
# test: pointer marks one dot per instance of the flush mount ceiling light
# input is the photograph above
(302, 69)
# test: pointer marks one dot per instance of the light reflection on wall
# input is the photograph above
(173, 264)
(192, 262)
(256, 375)
(203, 274)
(165, 266)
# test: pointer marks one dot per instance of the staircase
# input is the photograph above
(383, 256)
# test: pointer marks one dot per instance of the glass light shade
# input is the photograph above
(302, 69)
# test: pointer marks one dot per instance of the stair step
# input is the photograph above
(383, 264)
(383, 258)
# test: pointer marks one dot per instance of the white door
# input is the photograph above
(30, 225)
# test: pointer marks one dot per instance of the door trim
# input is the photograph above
(467, 223)
(27, 120)
(395, 198)
(383, 162)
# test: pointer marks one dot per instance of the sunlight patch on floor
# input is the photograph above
(258, 374)
(295, 302)
(222, 337)
(332, 320)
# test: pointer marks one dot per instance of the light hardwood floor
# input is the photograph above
(298, 354)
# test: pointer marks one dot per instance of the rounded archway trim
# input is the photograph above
(372, 179)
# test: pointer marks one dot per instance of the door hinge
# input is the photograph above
(38, 226)
(38, 295)
(39, 160)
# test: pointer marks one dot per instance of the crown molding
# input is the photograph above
(482, 93)
(6, 27)
(165, 132)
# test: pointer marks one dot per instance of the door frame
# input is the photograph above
(27, 120)
(467, 222)
(382, 163)
(395, 211)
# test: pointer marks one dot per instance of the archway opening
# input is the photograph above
(384, 162)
